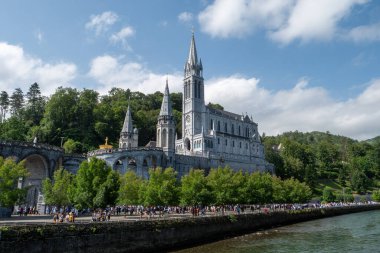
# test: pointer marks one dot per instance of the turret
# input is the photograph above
(128, 135)
(166, 126)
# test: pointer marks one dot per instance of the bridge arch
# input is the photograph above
(38, 169)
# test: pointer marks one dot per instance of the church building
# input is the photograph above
(210, 137)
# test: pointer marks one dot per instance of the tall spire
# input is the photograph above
(193, 57)
(166, 107)
(127, 126)
(193, 66)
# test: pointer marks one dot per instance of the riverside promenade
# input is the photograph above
(38, 234)
(33, 219)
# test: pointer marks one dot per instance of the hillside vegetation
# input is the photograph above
(82, 119)
(322, 159)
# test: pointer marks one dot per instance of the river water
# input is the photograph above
(359, 232)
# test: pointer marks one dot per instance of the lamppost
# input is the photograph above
(62, 141)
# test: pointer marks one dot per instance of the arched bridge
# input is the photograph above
(137, 159)
(40, 160)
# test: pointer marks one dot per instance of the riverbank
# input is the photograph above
(152, 235)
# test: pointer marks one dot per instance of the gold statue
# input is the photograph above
(105, 146)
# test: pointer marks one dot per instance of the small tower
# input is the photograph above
(128, 136)
(166, 127)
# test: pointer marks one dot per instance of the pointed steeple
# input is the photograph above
(193, 66)
(193, 57)
(127, 126)
(166, 107)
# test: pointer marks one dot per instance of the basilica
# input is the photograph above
(210, 137)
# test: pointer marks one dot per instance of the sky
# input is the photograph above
(301, 65)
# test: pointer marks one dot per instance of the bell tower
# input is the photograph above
(193, 96)
(166, 127)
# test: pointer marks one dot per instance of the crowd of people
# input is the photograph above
(24, 211)
(67, 214)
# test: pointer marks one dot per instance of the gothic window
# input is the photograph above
(199, 89)
(212, 124)
(239, 131)
(219, 126)
(163, 138)
(232, 129)
(225, 127)
(196, 89)
(171, 137)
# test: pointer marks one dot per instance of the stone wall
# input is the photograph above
(152, 235)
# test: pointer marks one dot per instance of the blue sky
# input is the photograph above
(293, 64)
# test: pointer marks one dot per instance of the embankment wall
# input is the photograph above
(151, 235)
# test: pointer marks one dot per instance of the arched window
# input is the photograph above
(171, 137)
(219, 126)
(163, 138)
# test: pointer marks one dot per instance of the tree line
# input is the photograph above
(316, 157)
(81, 119)
(96, 185)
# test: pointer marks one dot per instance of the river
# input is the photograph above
(358, 232)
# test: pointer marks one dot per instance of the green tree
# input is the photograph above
(93, 185)
(328, 194)
(297, 192)
(17, 102)
(130, 188)
(56, 191)
(376, 195)
(35, 106)
(13, 129)
(10, 172)
(61, 118)
(4, 104)
(194, 189)
(162, 188)
(108, 192)
(222, 186)
(70, 146)
(279, 194)
(259, 188)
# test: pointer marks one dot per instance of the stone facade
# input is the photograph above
(210, 137)
(41, 160)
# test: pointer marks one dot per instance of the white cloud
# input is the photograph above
(301, 108)
(122, 36)
(312, 19)
(365, 33)
(101, 23)
(185, 17)
(19, 70)
(283, 20)
(111, 72)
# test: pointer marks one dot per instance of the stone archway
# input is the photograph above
(125, 164)
(187, 144)
(37, 167)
